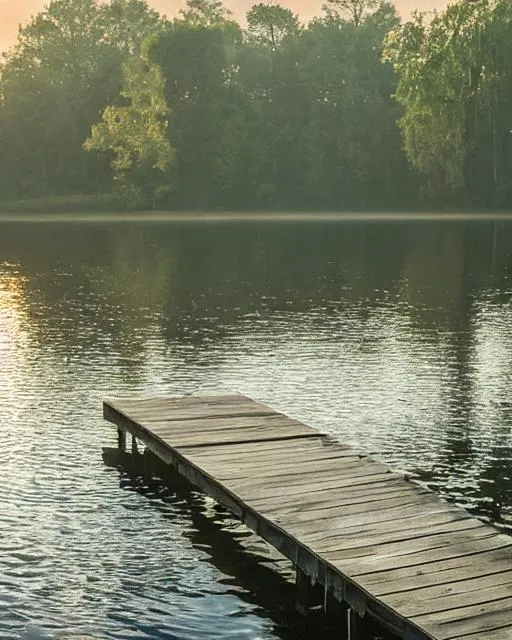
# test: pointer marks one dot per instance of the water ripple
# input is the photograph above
(393, 346)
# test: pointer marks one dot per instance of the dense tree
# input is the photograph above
(354, 11)
(271, 24)
(126, 25)
(205, 13)
(351, 155)
(199, 113)
(311, 101)
(278, 119)
(54, 82)
(197, 62)
(456, 88)
(136, 136)
(45, 81)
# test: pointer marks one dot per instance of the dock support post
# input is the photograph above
(146, 465)
(121, 439)
(308, 595)
(135, 449)
(355, 625)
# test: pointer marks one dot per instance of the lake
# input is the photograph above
(393, 336)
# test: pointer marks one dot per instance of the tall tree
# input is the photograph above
(135, 137)
(64, 69)
(205, 13)
(352, 10)
(45, 83)
(325, 132)
(197, 113)
(271, 24)
(355, 159)
(456, 88)
(200, 79)
(127, 24)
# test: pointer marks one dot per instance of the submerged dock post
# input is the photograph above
(121, 439)
(309, 596)
(355, 625)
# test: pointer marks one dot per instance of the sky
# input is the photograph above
(14, 12)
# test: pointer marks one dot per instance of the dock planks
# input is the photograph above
(382, 544)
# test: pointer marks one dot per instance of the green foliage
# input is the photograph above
(456, 88)
(278, 119)
(53, 84)
(135, 135)
(198, 113)
(322, 118)
(205, 13)
(270, 24)
(127, 24)
(354, 11)
(197, 65)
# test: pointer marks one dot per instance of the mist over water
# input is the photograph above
(392, 336)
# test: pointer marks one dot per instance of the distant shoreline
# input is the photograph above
(103, 208)
(267, 216)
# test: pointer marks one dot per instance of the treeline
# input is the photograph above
(353, 111)
(455, 85)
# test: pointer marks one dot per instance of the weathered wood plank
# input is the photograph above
(206, 425)
(458, 580)
(173, 409)
(331, 498)
(245, 465)
(257, 453)
(379, 504)
(265, 450)
(453, 596)
(253, 435)
(357, 567)
(388, 580)
(168, 402)
(419, 522)
(456, 623)
(276, 473)
(190, 407)
(504, 633)
(236, 434)
(275, 492)
(201, 413)
(417, 547)
(243, 468)
(390, 516)
(297, 478)
(355, 541)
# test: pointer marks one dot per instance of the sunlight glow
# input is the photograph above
(12, 286)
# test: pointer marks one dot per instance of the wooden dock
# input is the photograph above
(383, 545)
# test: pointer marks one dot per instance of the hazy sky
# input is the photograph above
(12, 12)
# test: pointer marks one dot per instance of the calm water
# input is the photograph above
(395, 337)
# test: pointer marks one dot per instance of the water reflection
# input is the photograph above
(393, 337)
(251, 570)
